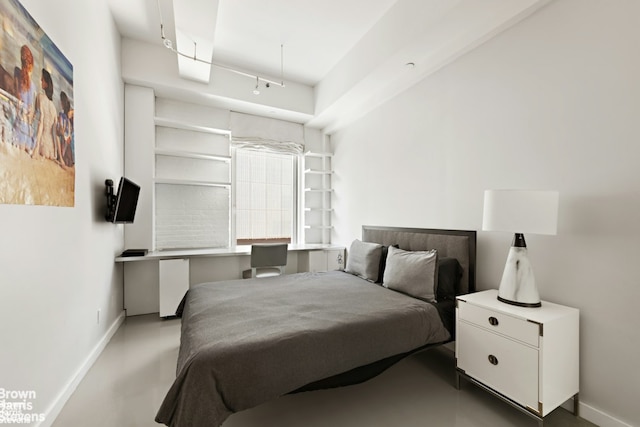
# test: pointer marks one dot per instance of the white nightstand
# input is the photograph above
(528, 357)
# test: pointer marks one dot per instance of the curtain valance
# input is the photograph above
(263, 133)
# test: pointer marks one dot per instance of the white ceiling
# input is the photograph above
(350, 55)
(248, 34)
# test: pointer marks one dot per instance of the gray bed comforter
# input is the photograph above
(245, 342)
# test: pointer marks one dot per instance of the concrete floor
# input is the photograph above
(129, 380)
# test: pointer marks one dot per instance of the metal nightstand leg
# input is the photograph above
(461, 373)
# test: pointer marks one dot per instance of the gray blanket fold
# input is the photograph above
(246, 342)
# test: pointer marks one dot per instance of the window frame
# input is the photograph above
(297, 208)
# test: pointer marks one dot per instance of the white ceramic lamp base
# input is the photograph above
(518, 285)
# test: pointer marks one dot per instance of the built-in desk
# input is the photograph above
(156, 282)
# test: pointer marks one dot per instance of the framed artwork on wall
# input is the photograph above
(37, 144)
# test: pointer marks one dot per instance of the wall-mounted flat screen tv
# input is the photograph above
(126, 202)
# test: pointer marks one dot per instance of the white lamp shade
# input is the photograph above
(521, 211)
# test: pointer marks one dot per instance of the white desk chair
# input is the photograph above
(267, 259)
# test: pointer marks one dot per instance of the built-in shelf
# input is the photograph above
(317, 154)
(319, 172)
(318, 190)
(191, 155)
(317, 175)
(190, 182)
(176, 124)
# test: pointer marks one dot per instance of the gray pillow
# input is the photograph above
(363, 260)
(412, 272)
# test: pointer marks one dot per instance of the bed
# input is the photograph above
(245, 342)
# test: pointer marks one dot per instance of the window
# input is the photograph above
(265, 196)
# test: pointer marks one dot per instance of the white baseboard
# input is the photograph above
(53, 411)
(600, 418)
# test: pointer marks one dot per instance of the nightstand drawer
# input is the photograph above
(510, 326)
(504, 365)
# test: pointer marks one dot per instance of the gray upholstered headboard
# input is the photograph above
(459, 244)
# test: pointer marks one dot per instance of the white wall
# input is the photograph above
(56, 264)
(552, 103)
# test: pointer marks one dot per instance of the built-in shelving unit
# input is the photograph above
(180, 163)
(317, 189)
(193, 152)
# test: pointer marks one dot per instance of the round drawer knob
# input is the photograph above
(493, 321)
(493, 360)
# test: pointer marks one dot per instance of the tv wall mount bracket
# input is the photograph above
(111, 200)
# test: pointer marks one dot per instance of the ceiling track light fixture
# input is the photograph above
(169, 45)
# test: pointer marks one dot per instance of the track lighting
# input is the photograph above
(169, 45)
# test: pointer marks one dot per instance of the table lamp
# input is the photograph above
(520, 211)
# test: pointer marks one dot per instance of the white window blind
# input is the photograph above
(264, 133)
(266, 153)
(265, 196)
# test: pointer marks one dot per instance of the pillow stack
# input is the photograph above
(420, 274)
